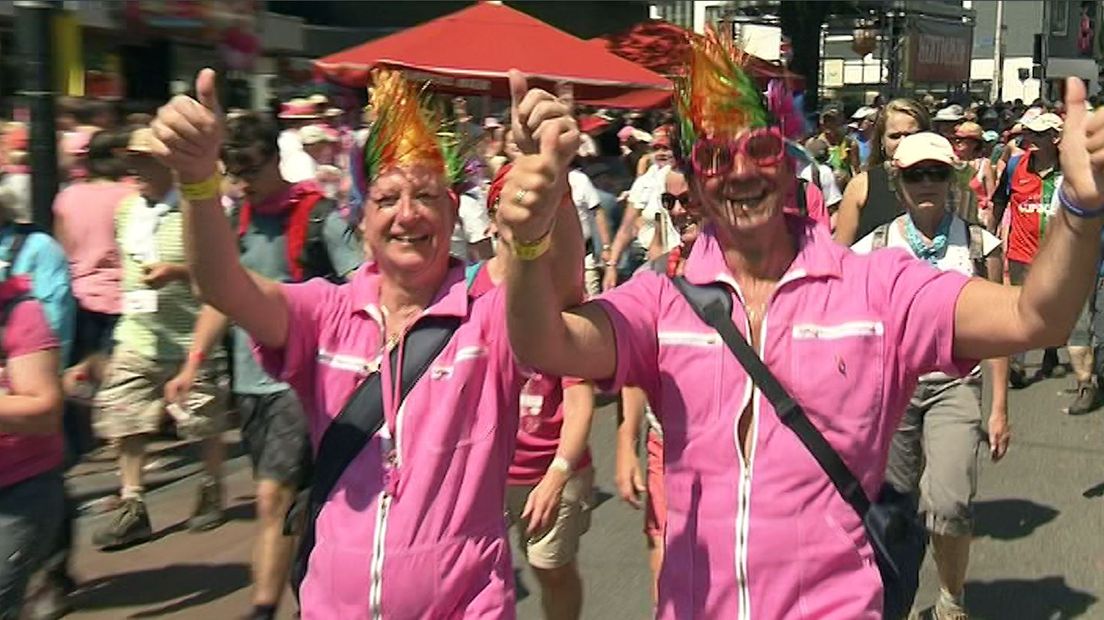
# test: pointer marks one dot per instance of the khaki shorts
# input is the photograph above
(558, 545)
(936, 451)
(131, 399)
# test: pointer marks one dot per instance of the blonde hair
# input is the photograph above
(909, 107)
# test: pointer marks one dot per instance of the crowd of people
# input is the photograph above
(412, 314)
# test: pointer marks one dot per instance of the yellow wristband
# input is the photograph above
(534, 249)
(204, 190)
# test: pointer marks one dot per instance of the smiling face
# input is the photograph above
(685, 216)
(408, 220)
(747, 196)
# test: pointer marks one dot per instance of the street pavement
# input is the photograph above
(1039, 552)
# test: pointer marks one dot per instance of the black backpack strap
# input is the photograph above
(802, 198)
(712, 311)
(881, 236)
(359, 420)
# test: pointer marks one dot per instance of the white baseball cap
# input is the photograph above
(863, 113)
(1043, 122)
(951, 113)
(924, 146)
(313, 134)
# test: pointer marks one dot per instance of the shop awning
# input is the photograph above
(471, 51)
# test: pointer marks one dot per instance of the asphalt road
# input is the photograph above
(1039, 551)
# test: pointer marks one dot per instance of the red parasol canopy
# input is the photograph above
(470, 52)
(662, 47)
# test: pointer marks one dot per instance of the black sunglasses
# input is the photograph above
(917, 174)
(669, 200)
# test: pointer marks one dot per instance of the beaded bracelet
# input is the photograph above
(1077, 210)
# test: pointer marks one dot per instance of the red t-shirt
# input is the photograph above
(25, 456)
(1029, 197)
(541, 414)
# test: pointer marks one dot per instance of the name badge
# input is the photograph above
(140, 302)
(532, 403)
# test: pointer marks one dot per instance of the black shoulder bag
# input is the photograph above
(360, 419)
(896, 534)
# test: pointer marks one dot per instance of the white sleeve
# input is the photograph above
(474, 219)
(828, 186)
(638, 192)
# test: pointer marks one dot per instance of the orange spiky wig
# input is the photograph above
(408, 130)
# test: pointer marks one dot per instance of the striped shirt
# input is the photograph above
(164, 334)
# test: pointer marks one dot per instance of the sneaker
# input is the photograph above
(130, 526)
(1086, 398)
(208, 512)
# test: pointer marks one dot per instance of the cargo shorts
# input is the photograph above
(557, 545)
(936, 451)
(131, 398)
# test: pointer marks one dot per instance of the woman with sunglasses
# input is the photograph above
(935, 450)
(755, 528)
(869, 199)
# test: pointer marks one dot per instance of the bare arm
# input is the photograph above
(995, 321)
(578, 415)
(847, 217)
(34, 405)
(627, 475)
(188, 138)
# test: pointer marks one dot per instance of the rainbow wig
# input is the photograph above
(408, 130)
(716, 98)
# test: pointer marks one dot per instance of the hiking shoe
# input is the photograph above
(130, 526)
(1086, 398)
(1017, 379)
(944, 610)
(208, 512)
(51, 602)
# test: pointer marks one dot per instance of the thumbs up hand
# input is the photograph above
(548, 137)
(188, 132)
(1082, 150)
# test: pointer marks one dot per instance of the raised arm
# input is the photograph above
(189, 136)
(533, 213)
(993, 320)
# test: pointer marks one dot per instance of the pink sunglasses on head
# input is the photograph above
(764, 147)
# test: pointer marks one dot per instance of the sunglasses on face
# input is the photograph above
(762, 147)
(918, 174)
(668, 199)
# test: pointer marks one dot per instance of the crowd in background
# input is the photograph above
(106, 313)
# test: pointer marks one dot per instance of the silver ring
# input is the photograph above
(519, 197)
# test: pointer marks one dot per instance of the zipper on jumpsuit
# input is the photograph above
(743, 517)
(391, 455)
(743, 487)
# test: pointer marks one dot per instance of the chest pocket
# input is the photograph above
(841, 368)
(449, 412)
(690, 368)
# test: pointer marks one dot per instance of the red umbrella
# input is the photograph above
(470, 52)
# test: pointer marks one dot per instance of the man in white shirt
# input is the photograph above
(295, 164)
(825, 179)
(471, 238)
(594, 225)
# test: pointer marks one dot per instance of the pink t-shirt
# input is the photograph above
(542, 417)
(25, 456)
(848, 336)
(85, 220)
(414, 527)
